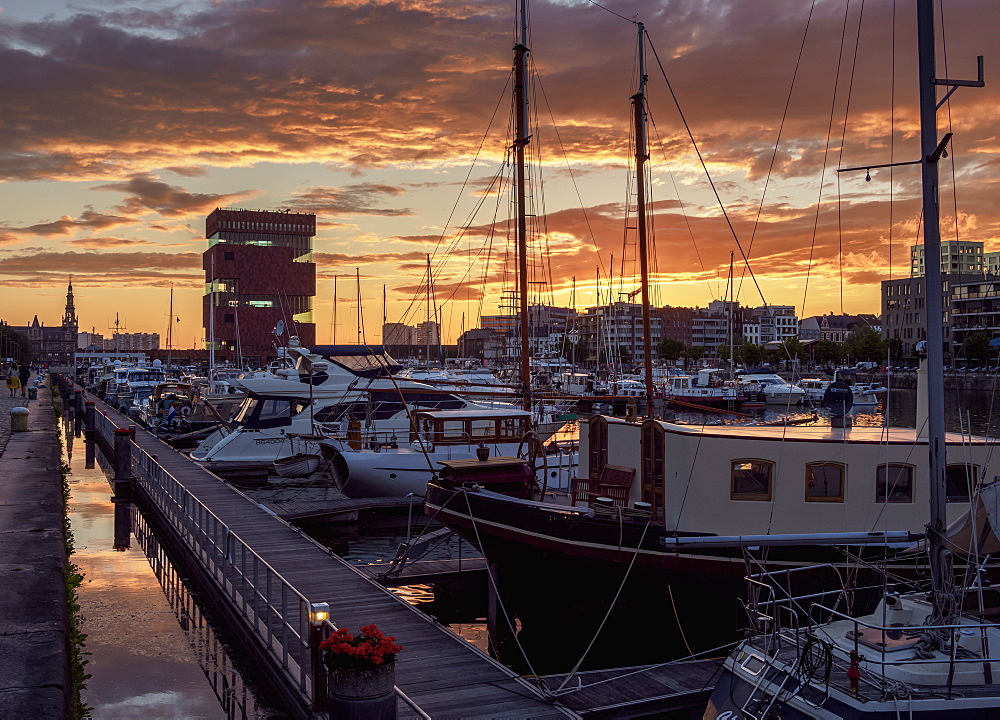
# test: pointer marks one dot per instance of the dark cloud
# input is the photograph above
(87, 220)
(102, 268)
(98, 243)
(149, 193)
(351, 200)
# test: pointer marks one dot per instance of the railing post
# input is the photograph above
(319, 613)
(123, 466)
(90, 433)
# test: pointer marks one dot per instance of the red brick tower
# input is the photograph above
(258, 270)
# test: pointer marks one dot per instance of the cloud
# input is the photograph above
(350, 200)
(66, 225)
(98, 243)
(50, 268)
(150, 193)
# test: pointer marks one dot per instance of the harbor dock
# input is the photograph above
(267, 574)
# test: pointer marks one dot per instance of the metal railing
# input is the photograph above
(273, 610)
(277, 614)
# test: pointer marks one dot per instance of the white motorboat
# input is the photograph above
(776, 390)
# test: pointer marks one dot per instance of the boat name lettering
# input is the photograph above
(268, 441)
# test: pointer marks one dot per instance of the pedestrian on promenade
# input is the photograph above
(24, 374)
(13, 379)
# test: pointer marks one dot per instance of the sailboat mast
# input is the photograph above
(941, 595)
(641, 156)
(170, 330)
(521, 140)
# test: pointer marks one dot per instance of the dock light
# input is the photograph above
(319, 613)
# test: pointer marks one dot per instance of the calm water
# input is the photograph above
(153, 650)
(964, 409)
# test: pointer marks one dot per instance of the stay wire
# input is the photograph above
(826, 157)
(704, 166)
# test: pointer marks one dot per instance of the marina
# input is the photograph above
(608, 397)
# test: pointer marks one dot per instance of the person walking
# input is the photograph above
(24, 374)
(13, 379)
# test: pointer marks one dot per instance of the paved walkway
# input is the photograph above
(6, 403)
(34, 659)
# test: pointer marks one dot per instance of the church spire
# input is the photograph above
(69, 317)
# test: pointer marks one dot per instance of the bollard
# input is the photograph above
(123, 466)
(19, 419)
(78, 400)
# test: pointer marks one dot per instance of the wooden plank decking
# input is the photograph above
(440, 672)
(422, 571)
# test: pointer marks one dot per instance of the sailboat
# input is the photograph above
(921, 653)
(686, 510)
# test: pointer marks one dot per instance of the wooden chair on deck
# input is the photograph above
(615, 482)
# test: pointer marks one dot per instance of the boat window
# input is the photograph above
(894, 483)
(751, 479)
(825, 482)
(451, 430)
(483, 428)
(512, 428)
(959, 482)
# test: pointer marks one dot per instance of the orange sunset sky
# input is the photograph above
(123, 123)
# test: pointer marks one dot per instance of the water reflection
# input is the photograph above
(224, 676)
(974, 411)
(140, 658)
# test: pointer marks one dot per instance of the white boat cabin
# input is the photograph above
(737, 480)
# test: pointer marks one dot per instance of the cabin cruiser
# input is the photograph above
(706, 388)
(399, 463)
(776, 390)
(337, 386)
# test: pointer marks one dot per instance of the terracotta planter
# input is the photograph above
(364, 694)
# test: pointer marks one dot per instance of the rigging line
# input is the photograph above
(826, 157)
(843, 142)
(954, 183)
(572, 176)
(631, 19)
(704, 166)
(680, 202)
(472, 166)
(774, 152)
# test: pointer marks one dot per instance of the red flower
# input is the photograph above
(366, 650)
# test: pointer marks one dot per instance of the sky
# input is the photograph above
(123, 123)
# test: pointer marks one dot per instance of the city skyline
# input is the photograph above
(125, 126)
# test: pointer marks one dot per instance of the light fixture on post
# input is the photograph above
(319, 613)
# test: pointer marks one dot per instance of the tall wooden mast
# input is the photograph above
(521, 140)
(641, 156)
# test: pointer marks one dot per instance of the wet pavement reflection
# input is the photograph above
(152, 652)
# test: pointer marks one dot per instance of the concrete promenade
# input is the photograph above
(34, 630)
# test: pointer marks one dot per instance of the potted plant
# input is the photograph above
(361, 667)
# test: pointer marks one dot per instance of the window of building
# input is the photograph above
(751, 479)
(825, 482)
(959, 481)
(894, 483)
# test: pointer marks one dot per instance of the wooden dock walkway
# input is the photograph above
(442, 674)
(296, 509)
(673, 688)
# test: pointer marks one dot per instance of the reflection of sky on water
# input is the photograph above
(140, 661)
(978, 409)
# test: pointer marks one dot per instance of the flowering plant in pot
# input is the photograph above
(368, 650)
